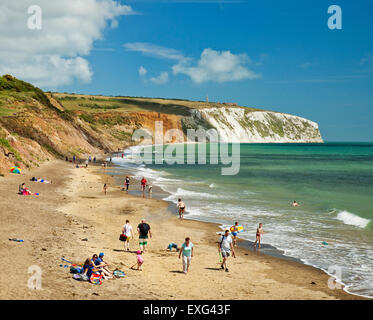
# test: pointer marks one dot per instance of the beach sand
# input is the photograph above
(74, 208)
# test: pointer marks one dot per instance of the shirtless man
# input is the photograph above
(181, 206)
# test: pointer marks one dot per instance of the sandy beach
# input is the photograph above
(73, 218)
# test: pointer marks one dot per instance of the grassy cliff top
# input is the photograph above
(97, 103)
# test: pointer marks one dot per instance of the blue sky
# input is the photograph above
(278, 55)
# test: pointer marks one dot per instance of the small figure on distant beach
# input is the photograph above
(86, 163)
(127, 183)
(74, 158)
(225, 246)
(295, 204)
(143, 186)
(259, 232)
(94, 159)
(139, 260)
(105, 188)
(181, 206)
(187, 252)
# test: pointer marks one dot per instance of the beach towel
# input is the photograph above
(119, 274)
(80, 277)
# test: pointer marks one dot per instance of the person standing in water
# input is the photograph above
(225, 247)
(295, 204)
(181, 206)
(259, 232)
(143, 186)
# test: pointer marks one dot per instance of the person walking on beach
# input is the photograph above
(86, 163)
(143, 186)
(74, 158)
(234, 234)
(259, 232)
(127, 231)
(143, 230)
(225, 247)
(105, 188)
(181, 206)
(187, 251)
(127, 183)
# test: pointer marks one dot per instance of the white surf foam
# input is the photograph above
(352, 219)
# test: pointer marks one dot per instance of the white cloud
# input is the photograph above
(54, 55)
(142, 71)
(155, 50)
(161, 79)
(218, 66)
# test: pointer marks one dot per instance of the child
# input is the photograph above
(150, 190)
(171, 246)
(259, 232)
(140, 260)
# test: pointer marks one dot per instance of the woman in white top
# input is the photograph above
(127, 231)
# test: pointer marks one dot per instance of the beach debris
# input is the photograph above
(324, 243)
(313, 282)
(85, 239)
(63, 259)
(16, 240)
(43, 249)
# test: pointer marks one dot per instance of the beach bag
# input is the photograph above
(122, 237)
(96, 278)
(76, 269)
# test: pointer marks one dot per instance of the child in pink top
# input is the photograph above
(140, 260)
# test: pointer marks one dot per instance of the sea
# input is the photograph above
(331, 229)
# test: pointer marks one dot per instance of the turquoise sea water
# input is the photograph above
(332, 182)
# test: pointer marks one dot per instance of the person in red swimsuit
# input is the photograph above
(259, 232)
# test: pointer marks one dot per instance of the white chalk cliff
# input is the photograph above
(240, 125)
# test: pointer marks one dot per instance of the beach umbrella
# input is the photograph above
(15, 170)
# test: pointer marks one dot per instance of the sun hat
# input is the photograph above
(138, 252)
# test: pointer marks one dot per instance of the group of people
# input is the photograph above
(97, 265)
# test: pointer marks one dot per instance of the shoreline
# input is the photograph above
(72, 218)
(269, 250)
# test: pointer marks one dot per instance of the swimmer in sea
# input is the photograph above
(259, 232)
(295, 204)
